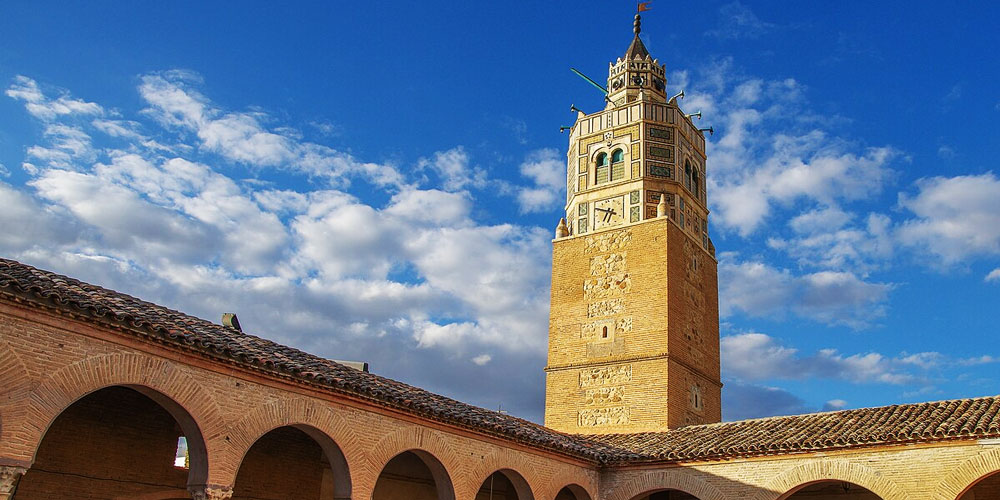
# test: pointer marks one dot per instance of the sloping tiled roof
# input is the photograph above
(217, 341)
(636, 48)
(886, 425)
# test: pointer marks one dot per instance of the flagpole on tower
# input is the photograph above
(637, 25)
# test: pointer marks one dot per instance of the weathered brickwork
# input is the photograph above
(645, 295)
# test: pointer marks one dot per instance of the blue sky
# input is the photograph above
(380, 181)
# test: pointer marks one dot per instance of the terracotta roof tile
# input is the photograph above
(885, 425)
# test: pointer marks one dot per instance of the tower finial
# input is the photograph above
(637, 25)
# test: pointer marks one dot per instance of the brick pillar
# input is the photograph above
(208, 492)
(9, 476)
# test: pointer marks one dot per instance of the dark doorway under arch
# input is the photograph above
(831, 490)
(291, 463)
(504, 485)
(572, 492)
(116, 442)
(666, 495)
(985, 488)
(413, 475)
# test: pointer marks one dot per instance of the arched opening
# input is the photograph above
(687, 174)
(117, 442)
(986, 487)
(293, 462)
(666, 495)
(572, 492)
(696, 183)
(504, 485)
(830, 490)
(603, 169)
(617, 165)
(415, 475)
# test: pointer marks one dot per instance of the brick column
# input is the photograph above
(9, 476)
(208, 492)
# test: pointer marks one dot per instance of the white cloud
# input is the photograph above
(482, 359)
(242, 136)
(547, 171)
(825, 238)
(452, 167)
(29, 225)
(994, 276)
(831, 297)
(47, 109)
(955, 217)
(756, 356)
(431, 207)
(979, 360)
(834, 404)
(737, 21)
(771, 152)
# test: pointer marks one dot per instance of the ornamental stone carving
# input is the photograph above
(607, 286)
(608, 242)
(603, 265)
(605, 375)
(605, 308)
(604, 395)
(9, 476)
(597, 417)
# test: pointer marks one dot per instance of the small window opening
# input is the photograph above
(604, 333)
(696, 397)
(617, 156)
(181, 458)
(603, 172)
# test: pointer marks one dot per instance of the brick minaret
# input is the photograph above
(634, 321)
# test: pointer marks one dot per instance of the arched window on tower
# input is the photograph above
(696, 183)
(687, 174)
(603, 173)
(617, 165)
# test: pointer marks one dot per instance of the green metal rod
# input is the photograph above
(585, 77)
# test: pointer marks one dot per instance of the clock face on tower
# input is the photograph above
(609, 212)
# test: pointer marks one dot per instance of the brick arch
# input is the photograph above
(414, 438)
(580, 484)
(328, 428)
(686, 480)
(180, 394)
(825, 470)
(502, 459)
(966, 475)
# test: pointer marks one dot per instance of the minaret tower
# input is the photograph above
(634, 321)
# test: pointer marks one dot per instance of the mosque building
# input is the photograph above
(106, 396)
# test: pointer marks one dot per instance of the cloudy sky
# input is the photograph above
(380, 181)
